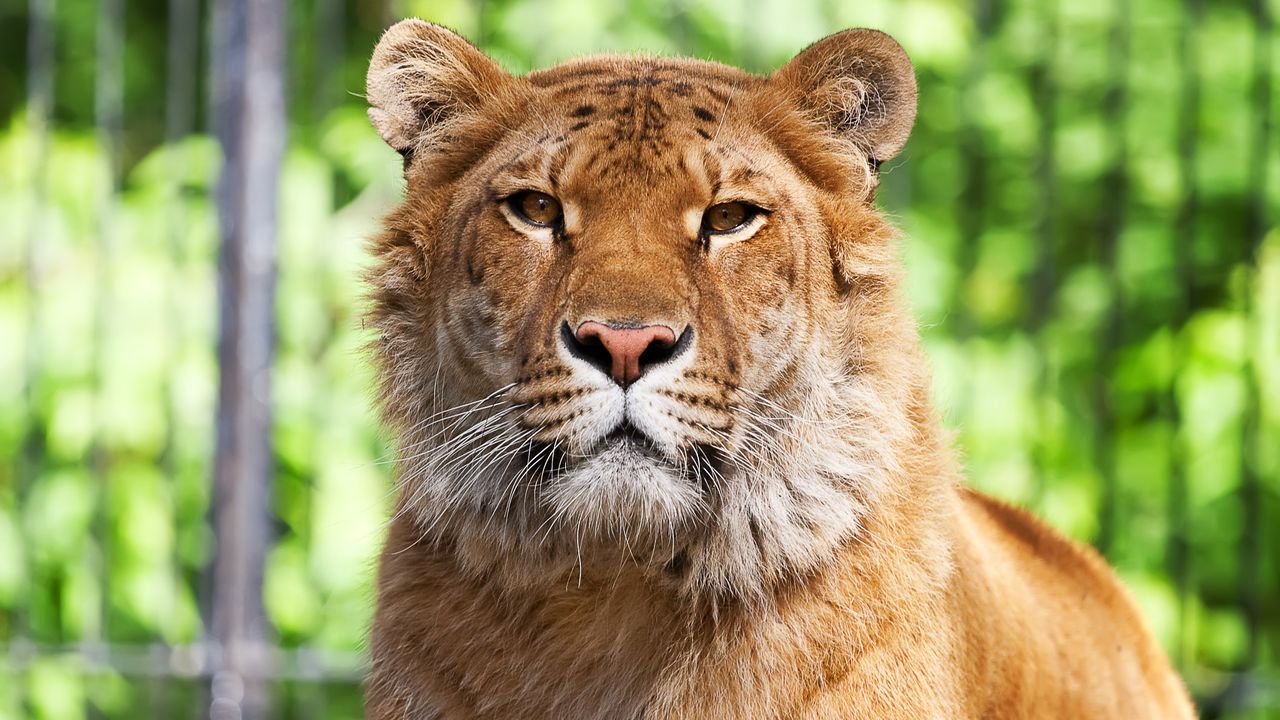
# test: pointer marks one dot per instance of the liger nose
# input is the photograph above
(622, 352)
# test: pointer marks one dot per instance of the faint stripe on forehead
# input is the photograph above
(680, 81)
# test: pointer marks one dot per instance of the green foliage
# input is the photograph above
(1089, 218)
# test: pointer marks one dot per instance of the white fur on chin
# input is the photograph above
(796, 486)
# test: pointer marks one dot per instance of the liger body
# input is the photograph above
(667, 447)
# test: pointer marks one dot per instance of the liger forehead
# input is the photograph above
(637, 115)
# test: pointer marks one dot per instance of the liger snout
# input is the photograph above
(622, 351)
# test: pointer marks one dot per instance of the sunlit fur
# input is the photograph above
(782, 533)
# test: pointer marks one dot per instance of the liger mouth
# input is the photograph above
(700, 463)
(704, 465)
(628, 434)
(555, 460)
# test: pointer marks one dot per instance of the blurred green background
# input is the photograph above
(1090, 202)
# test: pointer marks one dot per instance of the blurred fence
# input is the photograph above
(1090, 203)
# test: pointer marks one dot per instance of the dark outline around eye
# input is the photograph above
(512, 202)
(753, 212)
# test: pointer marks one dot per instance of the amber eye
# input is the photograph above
(727, 217)
(536, 208)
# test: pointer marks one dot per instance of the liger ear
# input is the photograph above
(422, 79)
(858, 83)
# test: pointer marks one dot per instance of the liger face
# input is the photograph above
(637, 264)
(615, 285)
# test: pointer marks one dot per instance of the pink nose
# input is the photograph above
(627, 350)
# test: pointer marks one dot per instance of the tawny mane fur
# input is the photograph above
(768, 522)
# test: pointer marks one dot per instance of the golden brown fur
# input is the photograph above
(768, 523)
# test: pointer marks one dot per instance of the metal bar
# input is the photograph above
(330, 46)
(681, 27)
(968, 218)
(748, 52)
(182, 62)
(330, 22)
(204, 597)
(186, 662)
(974, 154)
(1184, 231)
(1042, 281)
(1110, 335)
(249, 120)
(1258, 223)
(181, 71)
(39, 91)
(108, 109)
(484, 24)
(179, 662)
(897, 176)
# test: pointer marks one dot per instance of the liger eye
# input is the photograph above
(728, 216)
(536, 208)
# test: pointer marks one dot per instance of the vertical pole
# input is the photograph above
(331, 23)
(976, 192)
(1184, 232)
(309, 696)
(749, 51)
(108, 111)
(40, 78)
(249, 122)
(1042, 282)
(1111, 334)
(181, 62)
(897, 181)
(1251, 537)
(678, 27)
